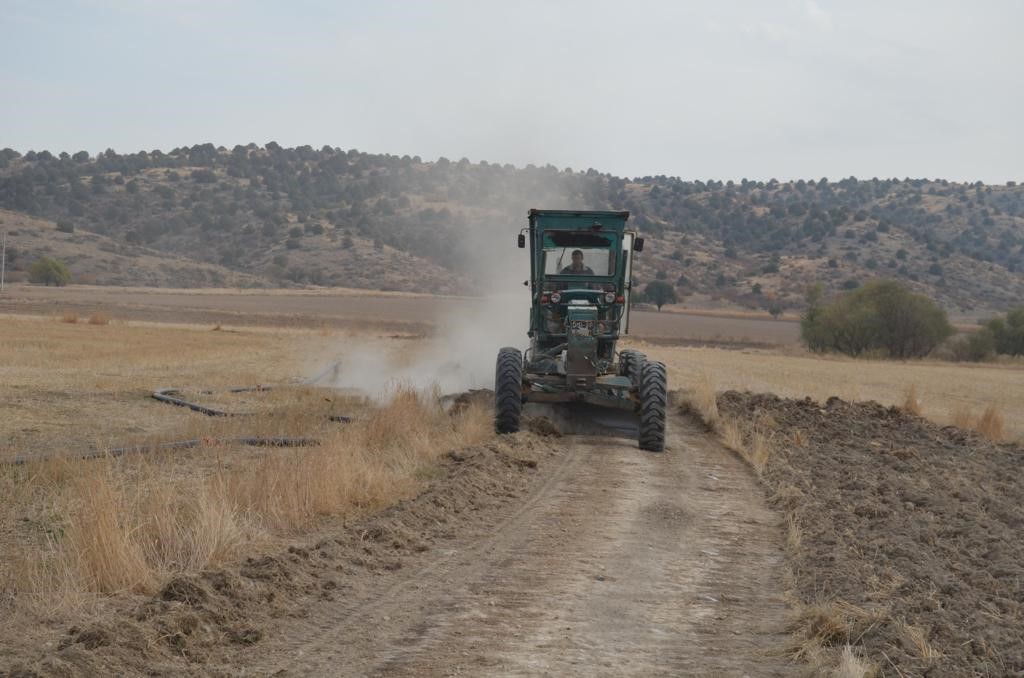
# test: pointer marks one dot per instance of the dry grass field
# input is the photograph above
(73, 532)
(946, 393)
(68, 386)
(71, 529)
(359, 310)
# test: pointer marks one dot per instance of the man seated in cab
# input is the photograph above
(577, 267)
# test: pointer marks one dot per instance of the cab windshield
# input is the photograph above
(587, 261)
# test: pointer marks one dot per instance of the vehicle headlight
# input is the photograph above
(555, 297)
(609, 297)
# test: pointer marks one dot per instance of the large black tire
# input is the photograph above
(653, 402)
(630, 363)
(508, 390)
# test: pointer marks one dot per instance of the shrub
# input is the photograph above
(204, 176)
(973, 347)
(1008, 333)
(880, 316)
(49, 271)
(65, 226)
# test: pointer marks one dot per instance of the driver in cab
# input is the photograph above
(577, 267)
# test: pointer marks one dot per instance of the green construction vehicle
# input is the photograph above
(580, 266)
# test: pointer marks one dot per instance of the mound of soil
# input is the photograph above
(911, 533)
(202, 623)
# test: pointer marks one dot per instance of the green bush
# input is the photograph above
(882, 316)
(49, 271)
(1008, 333)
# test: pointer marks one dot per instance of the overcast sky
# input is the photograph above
(724, 90)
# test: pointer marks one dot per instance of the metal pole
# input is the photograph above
(3, 262)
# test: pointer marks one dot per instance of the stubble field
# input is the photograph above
(78, 534)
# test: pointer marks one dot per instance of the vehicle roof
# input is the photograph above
(579, 220)
(578, 213)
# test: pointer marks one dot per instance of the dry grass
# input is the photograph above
(990, 424)
(71, 387)
(910, 402)
(960, 416)
(69, 318)
(754, 442)
(126, 524)
(99, 318)
(759, 449)
(795, 374)
(703, 399)
(918, 639)
(831, 624)
(852, 665)
(794, 534)
(732, 434)
(72, 530)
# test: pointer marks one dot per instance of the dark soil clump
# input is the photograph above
(911, 534)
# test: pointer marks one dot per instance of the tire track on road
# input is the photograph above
(619, 562)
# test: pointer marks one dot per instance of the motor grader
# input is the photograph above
(580, 265)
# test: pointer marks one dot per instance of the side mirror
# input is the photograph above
(522, 241)
(638, 245)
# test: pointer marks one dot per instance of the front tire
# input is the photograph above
(508, 390)
(630, 363)
(653, 403)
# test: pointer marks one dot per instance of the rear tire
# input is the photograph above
(508, 390)
(653, 402)
(630, 363)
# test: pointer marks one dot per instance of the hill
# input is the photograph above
(101, 260)
(335, 217)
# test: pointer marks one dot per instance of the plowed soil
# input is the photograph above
(911, 533)
(535, 555)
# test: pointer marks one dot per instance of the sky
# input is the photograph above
(732, 89)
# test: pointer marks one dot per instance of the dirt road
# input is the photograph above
(616, 562)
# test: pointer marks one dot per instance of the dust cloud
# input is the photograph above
(459, 356)
(460, 353)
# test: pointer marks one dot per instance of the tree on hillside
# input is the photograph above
(49, 271)
(659, 293)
